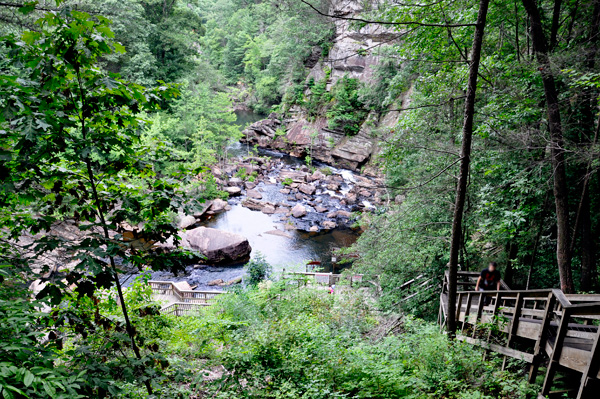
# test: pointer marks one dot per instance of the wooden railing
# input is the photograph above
(328, 279)
(545, 323)
(183, 296)
(182, 308)
(417, 286)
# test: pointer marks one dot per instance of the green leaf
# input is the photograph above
(28, 378)
(50, 390)
(28, 7)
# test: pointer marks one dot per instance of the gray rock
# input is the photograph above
(320, 209)
(313, 229)
(318, 175)
(253, 204)
(268, 209)
(218, 205)
(187, 221)
(332, 215)
(307, 189)
(253, 194)
(298, 211)
(218, 246)
(329, 224)
(299, 197)
(285, 191)
(233, 191)
(333, 187)
(250, 185)
(236, 181)
(297, 177)
(350, 198)
(215, 282)
(216, 171)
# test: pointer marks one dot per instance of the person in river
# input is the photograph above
(489, 280)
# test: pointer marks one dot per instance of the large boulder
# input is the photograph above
(218, 246)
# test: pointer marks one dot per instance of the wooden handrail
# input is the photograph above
(560, 325)
(183, 296)
(331, 278)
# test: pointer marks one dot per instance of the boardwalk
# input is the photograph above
(181, 302)
(540, 327)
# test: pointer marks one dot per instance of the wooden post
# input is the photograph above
(591, 370)
(556, 351)
(467, 312)
(541, 341)
(480, 305)
(496, 307)
(458, 308)
(514, 324)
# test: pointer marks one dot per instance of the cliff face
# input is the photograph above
(353, 54)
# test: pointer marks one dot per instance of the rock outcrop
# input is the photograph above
(354, 54)
(219, 247)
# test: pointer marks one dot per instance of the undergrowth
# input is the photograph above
(284, 342)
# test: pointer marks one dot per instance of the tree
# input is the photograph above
(70, 155)
(465, 159)
(561, 189)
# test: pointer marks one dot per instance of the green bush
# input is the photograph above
(347, 111)
(287, 342)
(258, 269)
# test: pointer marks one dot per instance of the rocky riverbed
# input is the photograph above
(310, 199)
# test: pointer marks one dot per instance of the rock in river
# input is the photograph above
(233, 191)
(268, 209)
(307, 189)
(329, 225)
(218, 246)
(253, 194)
(218, 206)
(298, 211)
(187, 221)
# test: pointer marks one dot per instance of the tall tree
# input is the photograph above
(465, 159)
(70, 154)
(563, 253)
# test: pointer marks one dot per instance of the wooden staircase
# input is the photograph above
(181, 302)
(539, 327)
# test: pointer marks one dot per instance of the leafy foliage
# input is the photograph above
(258, 269)
(289, 342)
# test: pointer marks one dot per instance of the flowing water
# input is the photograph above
(289, 250)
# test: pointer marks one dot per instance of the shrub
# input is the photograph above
(347, 112)
(258, 269)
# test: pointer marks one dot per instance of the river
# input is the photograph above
(290, 252)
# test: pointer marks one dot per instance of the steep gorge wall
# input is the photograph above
(353, 54)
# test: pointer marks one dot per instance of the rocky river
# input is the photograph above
(290, 212)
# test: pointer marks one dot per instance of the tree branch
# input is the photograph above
(366, 21)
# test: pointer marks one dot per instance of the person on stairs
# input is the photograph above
(489, 280)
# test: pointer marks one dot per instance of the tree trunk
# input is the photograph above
(465, 155)
(588, 258)
(563, 255)
(588, 252)
(555, 24)
(513, 251)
